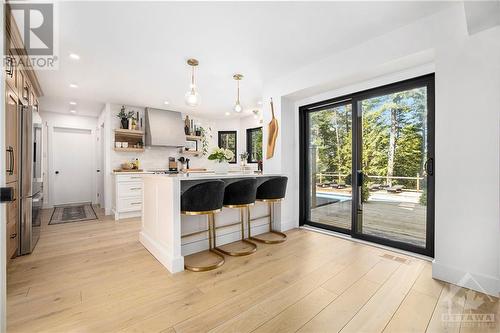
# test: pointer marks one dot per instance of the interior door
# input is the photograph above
(100, 171)
(72, 166)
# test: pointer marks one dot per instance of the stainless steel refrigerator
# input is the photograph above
(31, 179)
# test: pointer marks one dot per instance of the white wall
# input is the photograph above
(467, 71)
(51, 120)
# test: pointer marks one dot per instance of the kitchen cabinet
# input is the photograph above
(11, 71)
(127, 195)
(12, 223)
(11, 135)
(21, 87)
(21, 75)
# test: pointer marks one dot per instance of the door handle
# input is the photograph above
(14, 235)
(57, 172)
(429, 166)
(360, 178)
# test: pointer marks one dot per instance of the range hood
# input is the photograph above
(164, 128)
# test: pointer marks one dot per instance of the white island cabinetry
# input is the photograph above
(128, 195)
(166, 234)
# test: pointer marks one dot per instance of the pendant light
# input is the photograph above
(192, 97)
(237, 107)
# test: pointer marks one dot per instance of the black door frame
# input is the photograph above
(354, 99)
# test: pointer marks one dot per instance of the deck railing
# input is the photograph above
(320, 177)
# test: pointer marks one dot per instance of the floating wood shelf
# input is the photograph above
(193, 137)
(127, 132)
(131, 150)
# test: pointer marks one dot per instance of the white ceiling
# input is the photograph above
(134, 53)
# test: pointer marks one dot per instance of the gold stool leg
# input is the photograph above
(271, 220)
(243, 240)
(211, 242)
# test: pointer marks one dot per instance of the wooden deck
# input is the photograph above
(95, 276)
(402, 221)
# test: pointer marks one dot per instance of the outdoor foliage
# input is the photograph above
(393, 139)
(256, 145)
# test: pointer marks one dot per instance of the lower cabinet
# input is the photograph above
(12, 224)
(128, 196)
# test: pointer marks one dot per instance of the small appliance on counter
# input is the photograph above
(172, 164)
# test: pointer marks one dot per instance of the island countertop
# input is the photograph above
(209, 175)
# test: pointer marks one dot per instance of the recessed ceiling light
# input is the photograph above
(72, 103)
(72, 111)
(74, 56)
(72, 85)
(227, 113)
(166, 102)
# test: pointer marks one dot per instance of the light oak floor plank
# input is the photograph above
(95, 276)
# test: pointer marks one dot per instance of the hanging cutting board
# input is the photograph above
(273, 134)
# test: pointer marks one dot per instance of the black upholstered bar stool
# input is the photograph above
(239, 194)
(203, 198)
(271, 191)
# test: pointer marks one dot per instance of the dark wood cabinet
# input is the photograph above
(11, 135)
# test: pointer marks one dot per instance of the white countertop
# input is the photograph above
(131, 172)
(210, 175)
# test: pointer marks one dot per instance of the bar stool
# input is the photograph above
(271, 191)
(204, 198)
(239, 194)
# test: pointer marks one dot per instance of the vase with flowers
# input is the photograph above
(221, 157)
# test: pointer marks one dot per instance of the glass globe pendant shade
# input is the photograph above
(192, 97)
(237, 107)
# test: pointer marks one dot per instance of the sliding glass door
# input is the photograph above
(329, 150)
(367, 165)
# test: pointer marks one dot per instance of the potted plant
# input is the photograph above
(221, 157)
(124, 116)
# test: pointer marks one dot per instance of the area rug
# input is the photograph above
(73, 213)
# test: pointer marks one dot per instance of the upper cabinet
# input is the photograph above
(11, 71)
(18, 73)
(11, 135)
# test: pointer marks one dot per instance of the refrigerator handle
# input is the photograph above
(10, 150)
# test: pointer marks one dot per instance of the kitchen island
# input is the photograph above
(163, 225)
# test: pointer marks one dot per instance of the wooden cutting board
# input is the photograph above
(273, 134)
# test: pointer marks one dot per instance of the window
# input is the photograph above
(254, 144)
(227, 140)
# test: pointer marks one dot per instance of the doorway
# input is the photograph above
(72, 166)
(367, 162)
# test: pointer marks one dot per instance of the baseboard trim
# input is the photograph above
(479, 282)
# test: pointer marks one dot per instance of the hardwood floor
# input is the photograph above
(95, 276)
